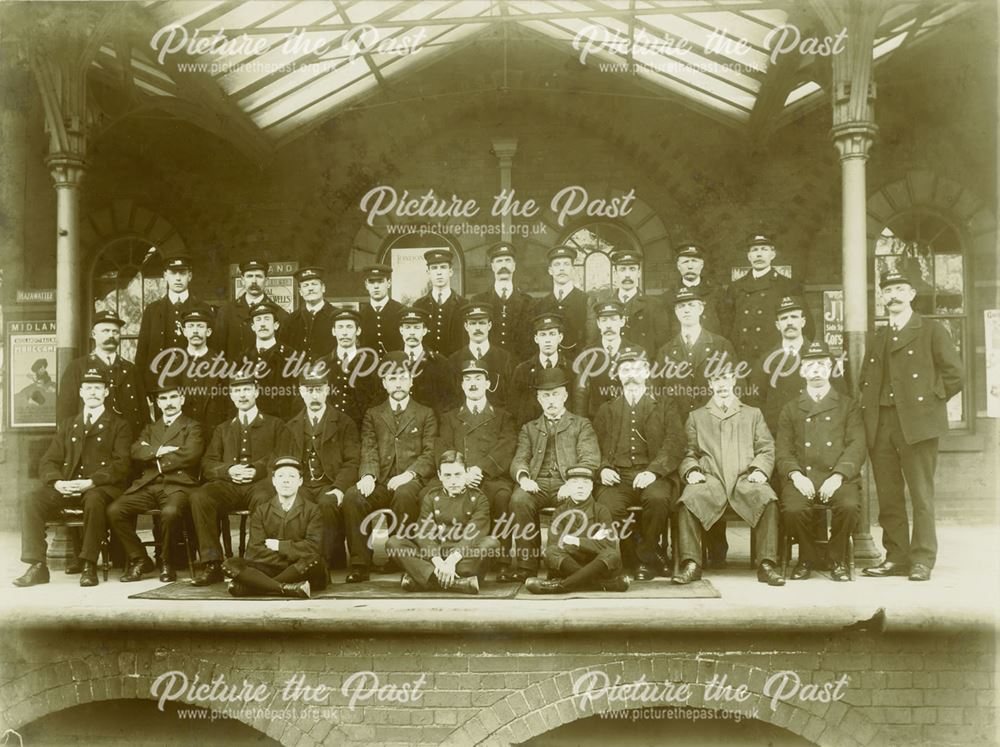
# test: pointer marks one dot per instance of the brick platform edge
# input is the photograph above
(914, 688)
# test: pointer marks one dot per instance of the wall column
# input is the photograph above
(504, 149)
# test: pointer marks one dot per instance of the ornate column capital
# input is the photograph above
(67, 169)
(853, 139)
(504, 148)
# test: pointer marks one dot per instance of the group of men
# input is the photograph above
(453, 423)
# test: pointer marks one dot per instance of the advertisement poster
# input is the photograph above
(31, 374)
(833, 319)
(409, 273)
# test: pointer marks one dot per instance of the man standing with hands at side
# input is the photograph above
(512, 307)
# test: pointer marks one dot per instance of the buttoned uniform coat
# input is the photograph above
(433, 382)
(299, 533)
(355, 390)
(710, 293)
(644, 325)
(821, 438)
(179, 468)
(574, 311)
(160, 329)
(726, 447)
(277, 388)
(775, 381)
(309, 332)
(603, 545)
(576, 444)
(926, 371)
(450, 516)
(388, 449)
(100, 454)
(487, 443)
(223, 452)
(126, 395)
(339, 446)
(748, 312)
(232, 333)
(662, 431)
(523, 398)
(497, 362)
(380, 330)
(445, 325)
(511, 328)
(691, 391)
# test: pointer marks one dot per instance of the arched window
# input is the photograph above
(405, 254)
(117, 284)
(929, 250)
(595, 242)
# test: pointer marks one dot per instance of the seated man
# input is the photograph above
(546, 448)
(820, 452)
(730, 454)
(397, 457)
(582, 548)
(85, 465)
(453, 545)
(283, 557)
(169, 451)
(642, 444)
(235, 468)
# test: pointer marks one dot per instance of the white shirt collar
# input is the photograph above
(692, 333)
(318, 306)
(286, 503)
(818, 394)
(760, 273)
(250, 415)
(379, 306)
(475, 406)
(503, 285)
(794, 346)
(94, 414)
(266, 345)
(109, 359)
(170, 422)
(445, 293)
(198, 353)
(634, 396)
(316, 416)
(399, 405)
(415, 353)
(256, 300)
(351, 352)
(625, 297)
(616, 345)
(901, 320)
(543, 358)
(695, 284)
(561, 291)
(482, 346)
(177, 297)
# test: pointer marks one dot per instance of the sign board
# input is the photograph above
(31, 374)
(36, 296)
(992, 325)
(833, 319)
(280, 283)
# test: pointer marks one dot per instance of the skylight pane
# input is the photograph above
(801, 92)
(244, 14)
(304, 13)
(321, 109)
(881, 50)
(692, 93)
(734, 25)
(698, 38)
(310, 93)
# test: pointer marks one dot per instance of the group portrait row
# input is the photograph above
(632, 426)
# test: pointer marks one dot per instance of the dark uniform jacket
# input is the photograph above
(277, 388)
(445, 330)
(691, 391)
(574, 311)
(299, 533)
(266, 432)
(232, 333)
(433, 382)
(380, 331)
(451, 517)
(126, 395)
(523, 400)
(161, 329)
(821, 438)
(206, 398)
(597, 538)
(709, 292)
(748, 314)
(646, 325)
(511, 328)
(661, 430)
(338, 446)
(775, 381)
(178, 467)
(100, 453)
(355, 390)
(389, 448)
(576, 444)
(487, 440)
(309, 332)
(925, 371)
(497, 361)
(599, 385)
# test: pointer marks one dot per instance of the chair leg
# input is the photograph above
(227, 537)
(753, 548)
(243, 535)
(157, 540)
(850, 557)
(187, 547)
(675, 547)
(105, 556)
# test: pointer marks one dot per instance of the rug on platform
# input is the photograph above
(376, 588)
(658, 589)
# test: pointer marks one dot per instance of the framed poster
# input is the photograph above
(280, 283)
(738, 272)
(410, 280)
(833, 319)
(31, 374)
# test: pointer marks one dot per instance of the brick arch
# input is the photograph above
(549, 704)
(125, 218)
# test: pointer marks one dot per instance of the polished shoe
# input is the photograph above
(505, 576)
(768, 574)
(839, 572)
(544, 586)
(518, 576)
(300, 590)
(37, 573)
(357, 576)
(136, 568)
(239, 589)
(208, 574)
(803, 570)
(73, 566)
(408, 583)
(618, 583)
(469, 585)
(887, 568)
(689, 572)
(920, 572)
(647, 573)
(88, 574)
(167, 573)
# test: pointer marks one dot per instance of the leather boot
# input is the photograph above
(88, 574)
(37, 573)
(299, 590)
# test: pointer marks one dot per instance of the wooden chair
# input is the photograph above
(72, 520)
(227, 536)
(728, 515)
(157, 542)
(786, 540)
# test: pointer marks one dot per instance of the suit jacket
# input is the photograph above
(711, 317)
(299, 533)
(100, 453)
(511, 328)
(445, 328)
(523, 401)
(311, 333)
(380, 332)
(278, 393)
(661, 429)
(574, 310)
(497, 361)
(338, 446)
(126, 395)
(487, 441)
(451, 517)
(775, 381)
(691, 391)
(178, 467)
(161, 329)
(232, 333)
(926, 371)
(266, 432)
(646, 325)
(748, 312)
(388, 449)
(576, 444)
(820, 438)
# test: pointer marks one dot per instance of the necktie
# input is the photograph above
(440, 299)
(88, 421)
(548, 363)
(412, 358)
(315, 421)
(478, 352)
(503, 294)
(243, 419)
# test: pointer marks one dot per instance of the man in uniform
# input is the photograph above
(233, 331)
(162, 319)
(169, 451)
(596, 382)
(272, 363)
(453, 546)
(485, 434)
(203, 381)
(433, 378)
(690, 266)
(496, 360)
(351, 370)
(397, 458)
(566, 300)
(380, 316)
(327, 444)
(820, 451)
(548, 340)
(125, 396)
(513, 309)
(910, 372)
(85, 466)
(310, 325)
(642, 320)
(642, 443)
(442, 305)
(235, 470)
(546, 448)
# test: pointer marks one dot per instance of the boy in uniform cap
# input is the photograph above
(548, 354)
(496, 360)
(327, 443)
(273, 363)
(203, 381)
(596, 382)
(309, 326)
(911, 370)
(86, 465)
(168, 451)
(642, 321)
(485, 435)
(380, 316)
(512, 308)
(443, 306)
(126, 396)
(282, 557)
(690, 266)
(433, 378)
(233, 331)
(350, 369)
(234, 468)
(565, 299)
(453, 546)
(820, 451)
(546, 448)
(582, 551)
(397, 457)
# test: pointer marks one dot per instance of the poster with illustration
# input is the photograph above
(31, 374)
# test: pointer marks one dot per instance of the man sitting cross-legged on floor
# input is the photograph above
(283, 558)
(582, 550)
(453, 544)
